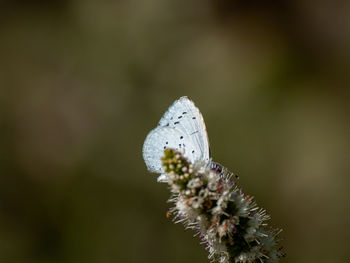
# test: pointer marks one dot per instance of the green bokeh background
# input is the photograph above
(83, 82)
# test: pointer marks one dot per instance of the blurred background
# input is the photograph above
(83, 82)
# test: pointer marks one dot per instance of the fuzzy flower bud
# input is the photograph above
(229, 223)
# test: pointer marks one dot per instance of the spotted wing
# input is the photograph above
(186, 117)
(161, 138)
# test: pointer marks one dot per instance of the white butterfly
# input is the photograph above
(181, 127)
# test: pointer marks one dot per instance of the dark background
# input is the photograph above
(83, 82)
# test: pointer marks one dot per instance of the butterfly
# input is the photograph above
(182, 128)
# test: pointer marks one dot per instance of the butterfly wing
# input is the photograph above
(181, 127)
(186, 117)
(161, 138)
